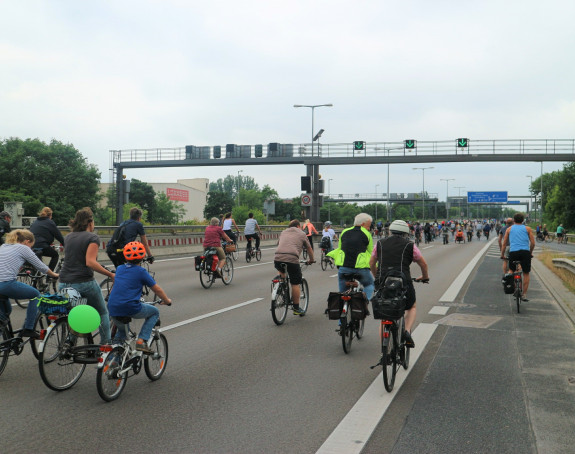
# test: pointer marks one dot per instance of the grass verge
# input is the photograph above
(566, 276)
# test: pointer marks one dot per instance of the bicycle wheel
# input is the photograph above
(347, 329)
(280, 304)
(303, 296)
(155, 364)
(518, 296)
(236, 253)
(42, 322)
(331, 264)
(258, 255)
(248, 255)
(360, 325)
(228, 272)
(206, 278)
(106, 288)
(405, 352)
(56, 360)
(109, 381)
(304, 253)
(4, 351)
(323, 261)
(389, 358)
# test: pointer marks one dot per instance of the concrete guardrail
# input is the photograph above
(565, 264)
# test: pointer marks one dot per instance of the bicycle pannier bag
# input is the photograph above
(358, 305)
(388, 302)
(508, 284)
(198, 262)
(334, 305)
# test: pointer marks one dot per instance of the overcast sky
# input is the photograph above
(119, 74)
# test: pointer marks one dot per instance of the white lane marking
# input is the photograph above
(453, 290)
(439, 310)
(211, 314)
(355, 429)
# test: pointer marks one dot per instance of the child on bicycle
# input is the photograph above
(125, 296)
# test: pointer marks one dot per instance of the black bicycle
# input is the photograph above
(31, 276)
(281, 296)
(207, 264)
(518, 280)
(11, 344)
(394, 352)
(252, 252)
(350, 325)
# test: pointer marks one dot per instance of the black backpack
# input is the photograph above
(118, 240)
(389, 299)
(325, 242)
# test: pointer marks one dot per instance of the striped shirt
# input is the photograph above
(13, 256)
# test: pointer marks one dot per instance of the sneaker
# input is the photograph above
(524, 299)
(408, 339)
(29, 333)
(218, 273)
(142, 346)
(298, 310)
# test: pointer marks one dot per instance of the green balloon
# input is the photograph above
(84, 319)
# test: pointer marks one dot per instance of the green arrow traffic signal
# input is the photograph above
(410, 143)
(462, 142)
(359, 145)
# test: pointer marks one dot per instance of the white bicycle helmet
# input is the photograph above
(399, 227)
(71, 294)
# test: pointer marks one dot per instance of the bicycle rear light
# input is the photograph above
(346, 298)
(42, 334)
(106, 348)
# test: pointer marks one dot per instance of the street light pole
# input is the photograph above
(530, 194)
(313, 211)
(459, 188)
(376, 186)
(239, 186)
(447, 180)
(329, 197)
(423, 169)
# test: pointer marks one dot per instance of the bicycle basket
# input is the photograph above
(53, 305)
(230, 248)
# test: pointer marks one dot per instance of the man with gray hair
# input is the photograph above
(352, 255)
(213, 239)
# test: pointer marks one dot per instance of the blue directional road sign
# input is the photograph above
(487, 197)
(513, 202)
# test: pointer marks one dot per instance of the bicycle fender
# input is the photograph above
(48, 331)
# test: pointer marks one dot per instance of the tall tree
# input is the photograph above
(54, 175)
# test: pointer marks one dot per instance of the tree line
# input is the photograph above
(56, 174)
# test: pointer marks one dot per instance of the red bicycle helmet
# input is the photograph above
(134, 251)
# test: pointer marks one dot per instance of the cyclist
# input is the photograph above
(544, 231)
(81, 250)
(227, 227)
(45, 230)
(445, 232)
(125, 297)
(309, 230)
(329, 233)
(13, 254)
(250, 231)
(427, 232)
(213, 239)
(290, 245)
(469, 232)
(486, 230)
(352, 255)
(5, 220)
(397, 253)
(521, 243)
(560, 232)
(508, 223)
(133, 228)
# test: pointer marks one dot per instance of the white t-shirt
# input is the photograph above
(330, 233)
(250, 227)
(227, 224)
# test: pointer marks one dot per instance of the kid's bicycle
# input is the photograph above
(119, 362)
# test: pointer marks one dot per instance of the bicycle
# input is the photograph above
(543, 237)
(10, 343)
(518, 280)
(35, 278)
(207, 264)
(119, 362)
(394, 352)
(349, 325)
(281, 297)
(107, 283)
(326, 261)
(252, 252)
(63, 353)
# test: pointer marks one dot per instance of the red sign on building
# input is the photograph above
(181, 195)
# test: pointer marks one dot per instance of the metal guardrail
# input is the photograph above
(565, 264)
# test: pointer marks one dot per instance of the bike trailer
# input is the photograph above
(508, 284)
(334, 305)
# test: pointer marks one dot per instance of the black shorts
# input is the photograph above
(409, 296)
(293, 271)
(522, 256)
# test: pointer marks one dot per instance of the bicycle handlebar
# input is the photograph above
(422, 281)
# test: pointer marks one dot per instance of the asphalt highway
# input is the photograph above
(237, 383)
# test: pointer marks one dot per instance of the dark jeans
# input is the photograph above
(117, 258)
(48, 251)
(249, 237)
